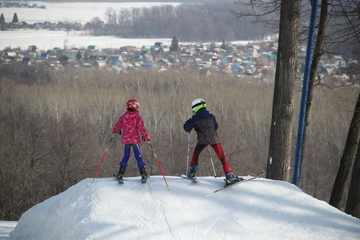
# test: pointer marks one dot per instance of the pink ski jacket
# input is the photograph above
(130, 124)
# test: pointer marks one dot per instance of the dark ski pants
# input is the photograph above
(137, 155)
(219, 152)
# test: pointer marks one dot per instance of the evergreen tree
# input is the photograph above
(223, 46)
(2, 19)
(79, 55)
(15, 18)
(2, 22)
(174, 45)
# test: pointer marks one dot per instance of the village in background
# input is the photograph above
(255, 59)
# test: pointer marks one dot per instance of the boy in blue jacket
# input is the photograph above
(205, 125)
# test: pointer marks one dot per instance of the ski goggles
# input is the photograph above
(134, 105)
(198, 106)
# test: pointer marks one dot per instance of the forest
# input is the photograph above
(195, 22)
(189, 22)
(55, 128)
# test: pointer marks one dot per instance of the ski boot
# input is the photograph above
(231, 179)
(120, 174)
(143, 174)
(192, 173)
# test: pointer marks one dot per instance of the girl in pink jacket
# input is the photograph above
(129, 125)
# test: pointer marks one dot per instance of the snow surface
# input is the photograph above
(45, 40)
(5, 228)
(258, 209)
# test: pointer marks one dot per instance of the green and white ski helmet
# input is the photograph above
(198, 104)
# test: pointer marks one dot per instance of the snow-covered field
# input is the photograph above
(259, 209)
(73, 12)
(46, 40)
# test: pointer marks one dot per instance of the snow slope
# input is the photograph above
(258, 209)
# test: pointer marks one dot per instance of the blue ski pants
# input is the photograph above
(137, 155)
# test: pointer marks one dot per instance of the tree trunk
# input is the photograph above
(314, 66)
(347, 159)
(353, 200)
(283, 101)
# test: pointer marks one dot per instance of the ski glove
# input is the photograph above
(146, 138)
(113, 131)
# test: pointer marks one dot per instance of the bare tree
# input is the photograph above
(347, 159)
(349, 29)
(353, 200)
(278, 164)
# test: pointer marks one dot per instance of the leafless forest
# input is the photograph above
(54, 130)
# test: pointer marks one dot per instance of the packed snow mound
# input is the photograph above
(258, 209)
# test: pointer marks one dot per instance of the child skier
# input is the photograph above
(206, 126)
(129, 125)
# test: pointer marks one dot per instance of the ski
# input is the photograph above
(183, 175)
(121, 181)
(242, 181)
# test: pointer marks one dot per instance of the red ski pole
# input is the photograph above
(103, 157)
(158, 162)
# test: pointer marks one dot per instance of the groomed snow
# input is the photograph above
(259, 209)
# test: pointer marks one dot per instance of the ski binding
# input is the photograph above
(121, 181)
(242, 181)
(194, 180)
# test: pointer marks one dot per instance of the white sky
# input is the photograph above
(259, 209)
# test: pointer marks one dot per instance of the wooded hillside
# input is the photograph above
(54, 131)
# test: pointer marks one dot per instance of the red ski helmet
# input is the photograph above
(133, 104)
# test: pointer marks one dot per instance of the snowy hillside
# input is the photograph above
(258, 209)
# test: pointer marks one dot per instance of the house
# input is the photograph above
(11, 55)
(87, 65)
(205, 71)
(64, 60)
(99, 64)
(33, 48)
(230, 58)
(198, 62)
(159, 44)
(26, 61)
(120, 64)
(263, 62)
(115, 58)
(146, 64)
(223, 60)
(93, 48)
(146, 48)
(164, 63)
(339, 61)
(253, 50)
(215, 61)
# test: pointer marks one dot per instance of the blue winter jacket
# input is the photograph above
(205, 125)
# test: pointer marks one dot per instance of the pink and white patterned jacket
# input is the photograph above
(130, 124)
